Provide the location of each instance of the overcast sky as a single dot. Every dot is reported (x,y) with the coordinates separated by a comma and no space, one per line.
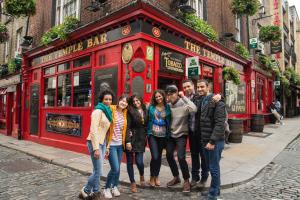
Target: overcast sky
(296,3)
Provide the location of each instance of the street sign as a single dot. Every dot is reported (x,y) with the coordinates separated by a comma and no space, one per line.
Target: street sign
(277,83)
(192,66)
(253,43)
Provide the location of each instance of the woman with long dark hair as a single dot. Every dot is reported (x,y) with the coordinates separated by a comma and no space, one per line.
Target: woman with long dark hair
(101,119)
(115,146)
(136,138)
(158,129)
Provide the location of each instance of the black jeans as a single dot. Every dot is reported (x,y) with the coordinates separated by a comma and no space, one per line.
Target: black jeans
(180,145)
(139,161)
(156,144)
(196,148)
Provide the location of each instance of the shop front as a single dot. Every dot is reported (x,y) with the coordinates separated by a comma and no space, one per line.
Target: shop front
(145,50)
(10,105)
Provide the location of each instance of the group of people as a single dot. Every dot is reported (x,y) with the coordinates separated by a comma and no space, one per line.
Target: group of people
(171,118)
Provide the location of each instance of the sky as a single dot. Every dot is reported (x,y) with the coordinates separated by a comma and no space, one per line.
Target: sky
(296,3)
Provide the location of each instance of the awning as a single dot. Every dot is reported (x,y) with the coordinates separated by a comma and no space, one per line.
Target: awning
(3,91)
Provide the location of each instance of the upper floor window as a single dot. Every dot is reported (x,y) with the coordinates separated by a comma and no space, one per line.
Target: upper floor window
(66,8)
(238,28)
(6,51)
(19,39)
(198,6)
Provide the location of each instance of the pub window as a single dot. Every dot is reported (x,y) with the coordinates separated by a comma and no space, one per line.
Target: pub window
(49,70)
(63,67)
(64,90)
(84,61)
(50,89)
(82,88)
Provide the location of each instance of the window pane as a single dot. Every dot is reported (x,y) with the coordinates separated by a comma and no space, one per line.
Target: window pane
(63,67)
(50,70)
(64,89)
(82,88)
(84,61)
(49,96)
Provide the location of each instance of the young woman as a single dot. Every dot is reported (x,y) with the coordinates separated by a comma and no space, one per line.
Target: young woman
(100,122)
(136,138)
(158,130)
(115,146)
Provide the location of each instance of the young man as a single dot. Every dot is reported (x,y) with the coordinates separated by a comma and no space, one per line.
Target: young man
(180,107)
(196,147)
(212,128)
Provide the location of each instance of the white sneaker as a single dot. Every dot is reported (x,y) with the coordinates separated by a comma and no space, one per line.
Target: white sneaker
(83,194)
(107,194)
(115,191)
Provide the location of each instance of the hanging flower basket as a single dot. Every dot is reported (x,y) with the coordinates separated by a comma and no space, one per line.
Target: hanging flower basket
(230,73)
(3,33)
(265,61)
(269,33)
(242,51)
(200,26)
(245,7)
(60,31)
(20,8)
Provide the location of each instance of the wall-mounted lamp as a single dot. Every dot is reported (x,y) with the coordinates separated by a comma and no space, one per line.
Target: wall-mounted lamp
(95,5)
(183,7)
(27,41)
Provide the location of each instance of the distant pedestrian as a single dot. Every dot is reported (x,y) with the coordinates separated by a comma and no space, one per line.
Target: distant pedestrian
(212,128)
(181,107)
(158,128)
(115,146)
(101,119)
(137,119)
(275,109)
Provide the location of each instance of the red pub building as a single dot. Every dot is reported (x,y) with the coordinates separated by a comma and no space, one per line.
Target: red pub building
(136,50)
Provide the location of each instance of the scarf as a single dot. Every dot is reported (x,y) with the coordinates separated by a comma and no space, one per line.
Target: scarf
(106,110)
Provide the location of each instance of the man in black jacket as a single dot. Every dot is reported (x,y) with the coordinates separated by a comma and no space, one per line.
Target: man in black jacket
(211,127)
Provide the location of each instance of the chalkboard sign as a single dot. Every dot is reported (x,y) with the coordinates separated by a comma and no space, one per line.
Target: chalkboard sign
(106,79)
(34,109)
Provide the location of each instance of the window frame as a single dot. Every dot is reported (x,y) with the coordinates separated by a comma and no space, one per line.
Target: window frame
(59,19)
(198,5)
(72,70)
(238,27)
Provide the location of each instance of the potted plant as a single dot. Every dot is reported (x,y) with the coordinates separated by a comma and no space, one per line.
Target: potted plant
(245,7)
(265,61)
(60,31)
(20,8)
(269,33)
(3,33)
(242,50)
(200,26)
(230,73)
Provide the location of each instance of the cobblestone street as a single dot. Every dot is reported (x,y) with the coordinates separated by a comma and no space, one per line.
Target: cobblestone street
(25,177)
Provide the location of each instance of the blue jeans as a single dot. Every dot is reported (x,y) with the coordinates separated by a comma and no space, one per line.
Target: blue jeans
(94,178)
(139,161)
(212,158)
(115,157)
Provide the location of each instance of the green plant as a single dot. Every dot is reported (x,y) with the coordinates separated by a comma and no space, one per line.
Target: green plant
(200,26)
(230,73)
(3,33)
(60,31)
(245,7)
(242,50)
(269,33)
(286,85)
(13,66)
(266,61)
(20,8)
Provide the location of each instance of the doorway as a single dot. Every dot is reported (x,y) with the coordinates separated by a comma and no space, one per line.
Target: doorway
(163,82)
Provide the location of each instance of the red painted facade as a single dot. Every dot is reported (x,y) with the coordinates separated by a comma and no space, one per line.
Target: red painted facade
(103,42)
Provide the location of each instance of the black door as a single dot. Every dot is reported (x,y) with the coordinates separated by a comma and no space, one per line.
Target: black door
(34,109)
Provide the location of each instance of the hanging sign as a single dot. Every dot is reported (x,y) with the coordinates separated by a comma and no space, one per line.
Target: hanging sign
(192,67)
(171,61)
(253,43)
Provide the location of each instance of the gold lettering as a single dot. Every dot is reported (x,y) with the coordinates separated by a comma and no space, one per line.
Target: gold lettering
(197,49)
(80,46)
(96,41)
(187,44)
(90,42)
(193,47)
(103,38)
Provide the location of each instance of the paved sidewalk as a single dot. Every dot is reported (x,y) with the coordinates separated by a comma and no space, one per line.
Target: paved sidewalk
(240,162)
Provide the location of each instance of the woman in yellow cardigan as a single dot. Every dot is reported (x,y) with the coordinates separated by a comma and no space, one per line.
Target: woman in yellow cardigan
(115,146)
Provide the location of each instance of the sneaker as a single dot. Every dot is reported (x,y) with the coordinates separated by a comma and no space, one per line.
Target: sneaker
(107,193)
(115,191)
(186,186)
(174,181)
(95,196)
(83,194)
(194,183)
(281,117)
